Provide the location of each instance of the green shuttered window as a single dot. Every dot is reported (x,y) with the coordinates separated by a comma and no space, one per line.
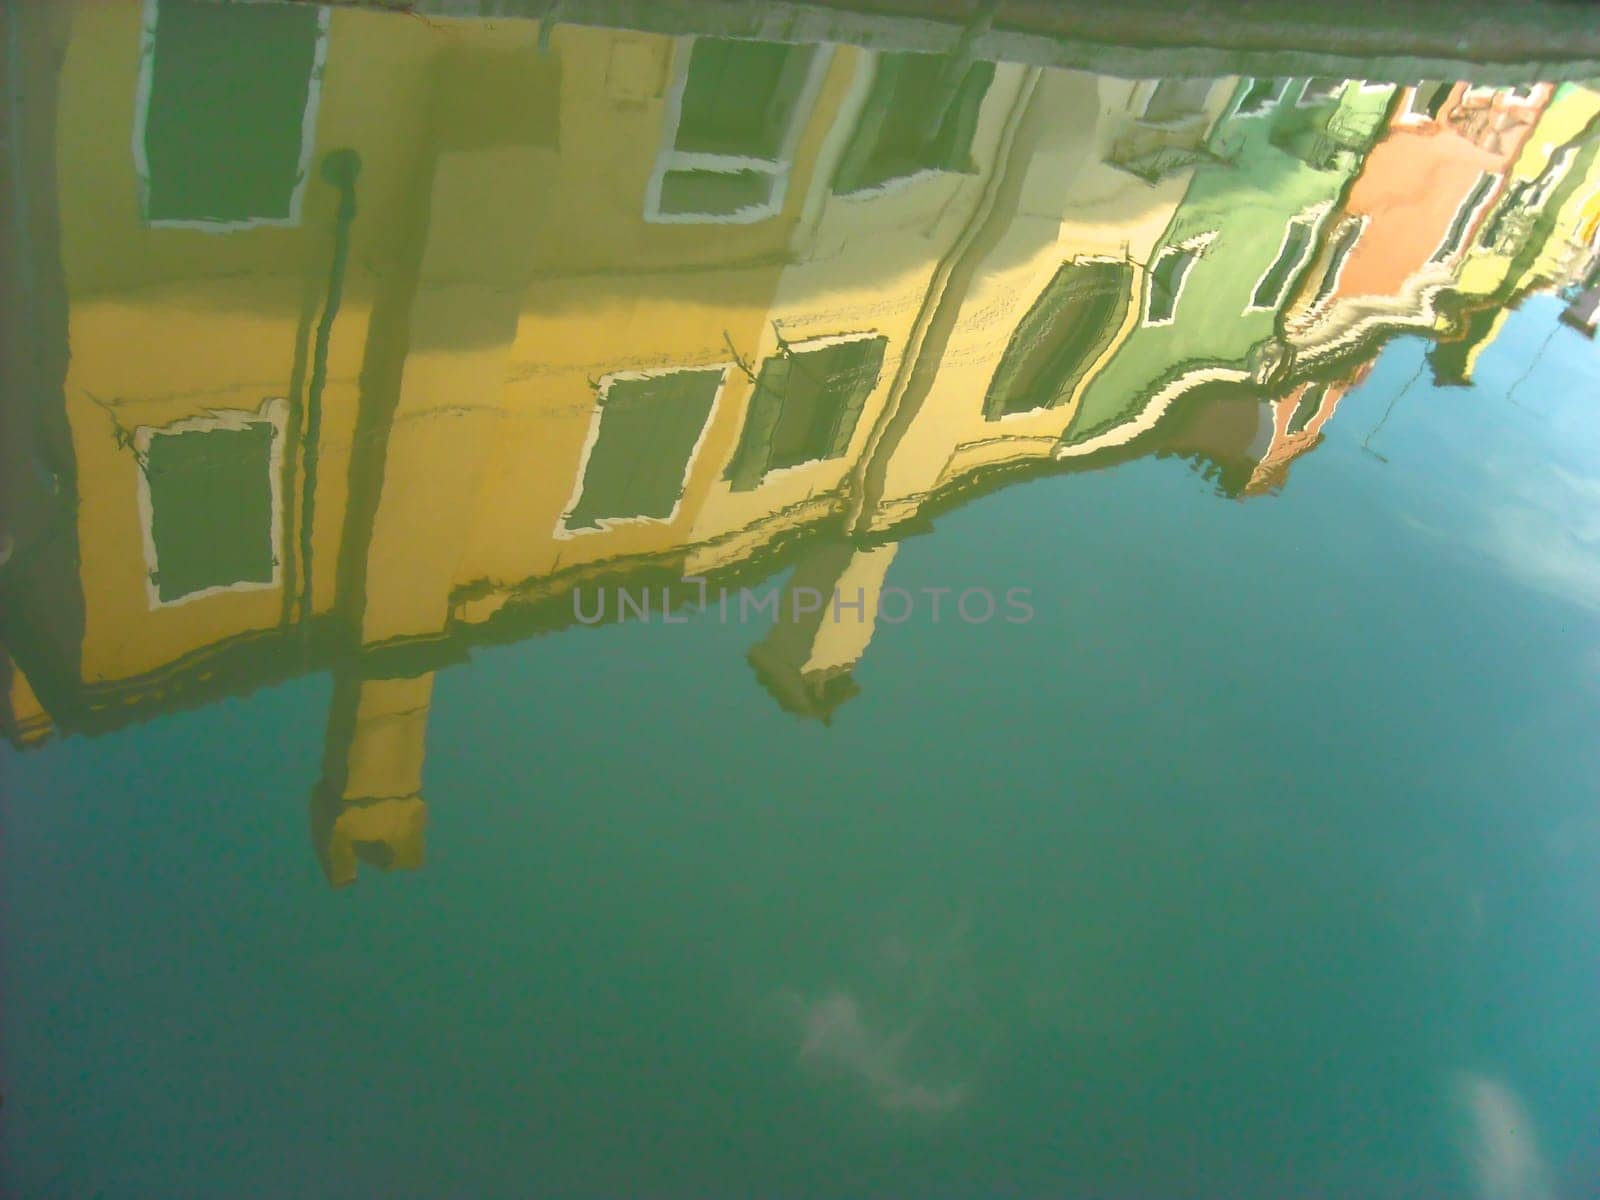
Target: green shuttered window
(647,433)
(1457,233)
(739,97)
(1275,283)
(921,115)
(1344,242)
(805,407)
(1167,276)
(211,508)
(1065,331)
(229,87)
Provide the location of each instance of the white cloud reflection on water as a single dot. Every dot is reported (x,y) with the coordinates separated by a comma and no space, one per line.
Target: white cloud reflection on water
(1499,1141)
(837,1038)
(1511,480)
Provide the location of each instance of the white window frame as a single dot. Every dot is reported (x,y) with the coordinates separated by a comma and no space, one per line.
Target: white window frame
(1145,94)
(141,118)
(1490,195)
(1301,101)
(1195,247)
(1271,102)
(670,159)
(1554,173)
(1331,283)
(272,412)
(593,436)
(1311,216)
(1409,115)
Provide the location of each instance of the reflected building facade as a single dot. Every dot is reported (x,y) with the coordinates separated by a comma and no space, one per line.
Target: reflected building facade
(460,319)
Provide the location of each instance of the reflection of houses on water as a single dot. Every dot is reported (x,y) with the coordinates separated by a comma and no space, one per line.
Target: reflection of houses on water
(1229,262)
(1400,236)
(1532,239)
(1047,292)
(492,314)
(1245,444)
(1394,249)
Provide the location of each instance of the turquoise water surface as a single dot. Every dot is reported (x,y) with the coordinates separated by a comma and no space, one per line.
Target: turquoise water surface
(1249,851)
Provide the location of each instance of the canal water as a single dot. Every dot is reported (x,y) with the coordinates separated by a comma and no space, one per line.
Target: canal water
(620,613)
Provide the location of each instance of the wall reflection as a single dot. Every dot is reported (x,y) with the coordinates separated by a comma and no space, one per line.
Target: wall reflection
(356,340)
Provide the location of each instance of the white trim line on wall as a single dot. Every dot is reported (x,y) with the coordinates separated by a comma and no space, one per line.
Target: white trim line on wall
(1154,409)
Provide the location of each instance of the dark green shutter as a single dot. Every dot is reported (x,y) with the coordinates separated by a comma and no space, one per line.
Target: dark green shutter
(1068,327)
(921,114)
(1166,280)
(1344,242)
(817,395)
(858,365)
(1269,292)
(953,145)
(211,508)
(229,87)
(714,192)
(1457,232)
(648,430)
(855,169)
(766,406)
(1310,402)
(1258,96)
(738,96)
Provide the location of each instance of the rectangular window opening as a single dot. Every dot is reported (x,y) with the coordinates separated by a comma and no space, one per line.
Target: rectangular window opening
(1344,241)
(1259,97)
(805,406)
(212,518)
(1177,99)
(921,115)
(1167,277)
(733,120)
(1320,89)
(228,98)
(1427,99)
(1275,283)
(1457,233)
(647,428)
